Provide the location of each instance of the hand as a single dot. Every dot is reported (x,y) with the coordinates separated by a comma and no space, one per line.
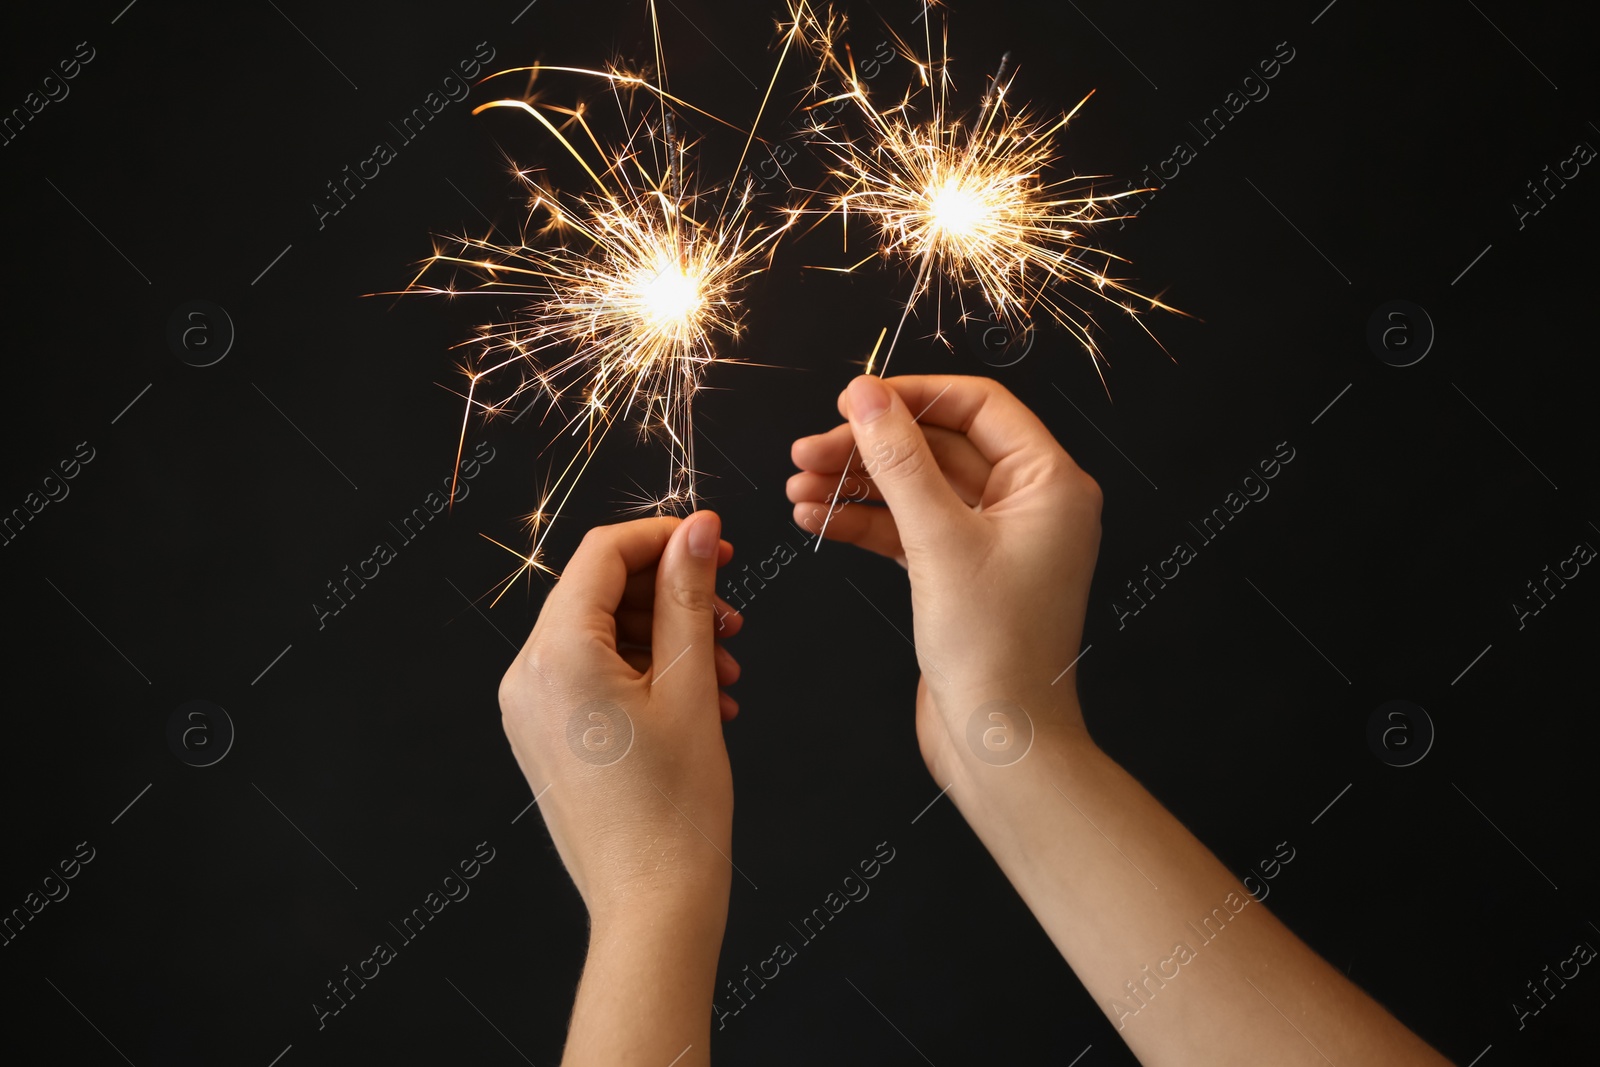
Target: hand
(999,530)
(612,711)
(996,525)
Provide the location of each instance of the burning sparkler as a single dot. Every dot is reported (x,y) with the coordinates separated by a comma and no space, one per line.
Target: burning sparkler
(626,291)
(966,202)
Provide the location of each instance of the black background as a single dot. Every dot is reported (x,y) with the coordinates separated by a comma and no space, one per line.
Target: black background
(189,551)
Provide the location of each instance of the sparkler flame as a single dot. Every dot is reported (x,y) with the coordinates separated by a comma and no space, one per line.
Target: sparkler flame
(967,201)
(626,310)
(625,291)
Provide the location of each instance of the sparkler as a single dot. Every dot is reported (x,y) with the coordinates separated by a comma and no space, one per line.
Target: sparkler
(626,291)
(967,202)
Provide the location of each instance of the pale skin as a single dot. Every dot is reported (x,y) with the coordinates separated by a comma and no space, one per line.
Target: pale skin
(998,530)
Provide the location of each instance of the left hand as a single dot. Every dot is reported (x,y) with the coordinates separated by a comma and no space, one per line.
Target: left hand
(998,529)
(614,712)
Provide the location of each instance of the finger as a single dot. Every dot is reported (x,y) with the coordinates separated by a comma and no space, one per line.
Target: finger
(963,465)
(729,621)
(634,623)
(927,511)
(727,707)
(683,634)
(992,418)
(809,485)
(872,528)
(591,587)
(638,605)
(825,452)
(853,487)
(637,658)
(728,669)
(640,590)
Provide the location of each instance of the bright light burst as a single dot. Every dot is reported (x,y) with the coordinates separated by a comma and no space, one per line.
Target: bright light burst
(967,200)
(624,293)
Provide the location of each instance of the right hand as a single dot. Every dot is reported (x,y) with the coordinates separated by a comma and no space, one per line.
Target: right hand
(612,706)
(998,529)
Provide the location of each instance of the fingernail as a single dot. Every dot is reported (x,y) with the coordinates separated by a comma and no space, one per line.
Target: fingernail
(869,398)
(705,530)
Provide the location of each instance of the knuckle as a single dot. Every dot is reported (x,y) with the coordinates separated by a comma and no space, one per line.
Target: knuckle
(1092,494)
(811,521)
(995,395)
(1058,468)
(695,598)
(512,705)
(994,387)
(1077,486)
(521,682)
(898,459)
(512,689)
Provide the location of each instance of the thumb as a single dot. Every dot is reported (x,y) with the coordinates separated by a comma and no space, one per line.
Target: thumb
(683,630)
(898,460)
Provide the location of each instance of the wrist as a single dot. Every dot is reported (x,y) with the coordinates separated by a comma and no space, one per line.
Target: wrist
(1000,788)
(685,921)
(648,981)
(995,726)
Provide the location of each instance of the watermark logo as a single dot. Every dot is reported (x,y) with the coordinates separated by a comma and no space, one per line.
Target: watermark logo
(1399,733)
(1000,733)
(998,341)
(1400,333)
(599,733)
(200,733)
(200,333)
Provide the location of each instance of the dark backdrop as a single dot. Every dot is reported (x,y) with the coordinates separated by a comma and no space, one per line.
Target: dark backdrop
(182,560)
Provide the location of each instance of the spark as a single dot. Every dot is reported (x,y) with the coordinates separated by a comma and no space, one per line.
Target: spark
(967,200)
(626,292)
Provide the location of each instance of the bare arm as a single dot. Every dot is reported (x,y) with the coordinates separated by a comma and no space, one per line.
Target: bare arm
(647,987)
(632,778)
(998,529)
(1188,966)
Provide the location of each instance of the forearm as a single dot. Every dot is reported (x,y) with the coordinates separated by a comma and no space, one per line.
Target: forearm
(646,993)
(1188,966)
